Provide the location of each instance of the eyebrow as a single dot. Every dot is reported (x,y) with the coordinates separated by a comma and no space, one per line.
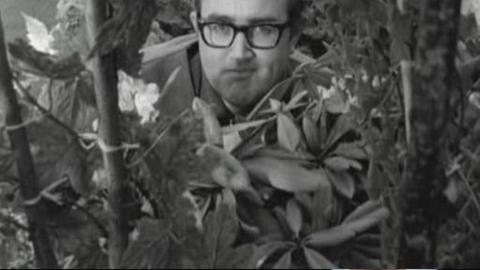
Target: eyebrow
(224,18)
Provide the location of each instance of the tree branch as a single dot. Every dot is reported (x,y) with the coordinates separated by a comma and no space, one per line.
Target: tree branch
(29,186)
(423,204)
(104,71)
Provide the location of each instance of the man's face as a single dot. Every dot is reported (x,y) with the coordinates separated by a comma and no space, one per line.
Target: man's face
(240,73)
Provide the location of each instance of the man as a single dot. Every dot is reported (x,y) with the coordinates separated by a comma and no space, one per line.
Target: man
(242,51)
(239,51)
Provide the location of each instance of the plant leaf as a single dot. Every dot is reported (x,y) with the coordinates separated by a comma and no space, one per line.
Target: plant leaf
(296,99)
(288,133)
(284,262)
(220,231)
(264,251)
(297,157)
(150,250)
(294,217)
(277,91)
(343,183)
(144,101)
(285,175)
(351,150)
(330,237)
(211,126)
(344,123)
(362,218)
(312,135)
(243,126)
(227,171)
(355,258)
(38,35)
(237,258)
(336,102)
(316,260)
(341,164)
(26,58)
(322,201)
(363,210)
(135,94)
(231,140)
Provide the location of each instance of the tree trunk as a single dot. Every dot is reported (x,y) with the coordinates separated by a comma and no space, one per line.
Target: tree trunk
(104,71)
(29,187)
(421,197)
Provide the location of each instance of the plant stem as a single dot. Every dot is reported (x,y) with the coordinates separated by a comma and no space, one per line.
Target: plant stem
(103,68)
(29,186)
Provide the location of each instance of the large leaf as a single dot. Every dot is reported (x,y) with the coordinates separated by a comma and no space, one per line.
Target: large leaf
(330,237)
(322,203)
(341,164)
(73,164)
(236,258)
(226,170)
(38,35)
(221,228)
(336,101)
(367,209)
(366,215)
(266,250)
(284,262)
(345,123)
(312,135)
(211,125)
(28,59)
(151,248)
(296,157)
(343,183)
(285,175)
(316,260)
(352,150)
(358,258)
(65,99)
(288,133)
(361,219)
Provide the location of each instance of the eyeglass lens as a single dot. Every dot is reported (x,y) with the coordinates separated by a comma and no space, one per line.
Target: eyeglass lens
(222,35)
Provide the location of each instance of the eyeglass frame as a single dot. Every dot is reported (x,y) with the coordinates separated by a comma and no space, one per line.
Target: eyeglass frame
(243,29)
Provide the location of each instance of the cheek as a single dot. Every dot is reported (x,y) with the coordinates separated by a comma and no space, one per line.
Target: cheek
(210,58)
(273,63)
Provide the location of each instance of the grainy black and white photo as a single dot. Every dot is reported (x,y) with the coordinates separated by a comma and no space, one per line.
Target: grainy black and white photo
(239,134)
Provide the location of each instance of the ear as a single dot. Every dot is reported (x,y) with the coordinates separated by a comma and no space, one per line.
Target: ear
(193,20)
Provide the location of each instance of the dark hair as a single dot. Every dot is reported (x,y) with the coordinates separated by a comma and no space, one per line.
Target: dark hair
(295,8)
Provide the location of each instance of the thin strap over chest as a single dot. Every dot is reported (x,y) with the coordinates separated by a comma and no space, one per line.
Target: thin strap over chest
(195,69)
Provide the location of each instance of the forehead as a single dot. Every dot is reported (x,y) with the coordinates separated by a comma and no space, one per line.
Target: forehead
(241,11)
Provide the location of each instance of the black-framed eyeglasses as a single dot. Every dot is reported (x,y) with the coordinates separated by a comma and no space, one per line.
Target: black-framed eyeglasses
(259,36)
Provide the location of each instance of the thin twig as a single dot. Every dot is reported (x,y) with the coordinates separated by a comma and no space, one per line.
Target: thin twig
(470,189)
(90,216)
(30,99)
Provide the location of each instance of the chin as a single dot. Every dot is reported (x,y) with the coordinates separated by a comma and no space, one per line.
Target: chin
(237,96)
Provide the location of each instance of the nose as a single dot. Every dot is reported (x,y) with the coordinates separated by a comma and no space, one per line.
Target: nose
(240,49)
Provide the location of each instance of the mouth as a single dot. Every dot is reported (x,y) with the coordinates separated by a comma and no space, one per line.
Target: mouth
(240,72)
